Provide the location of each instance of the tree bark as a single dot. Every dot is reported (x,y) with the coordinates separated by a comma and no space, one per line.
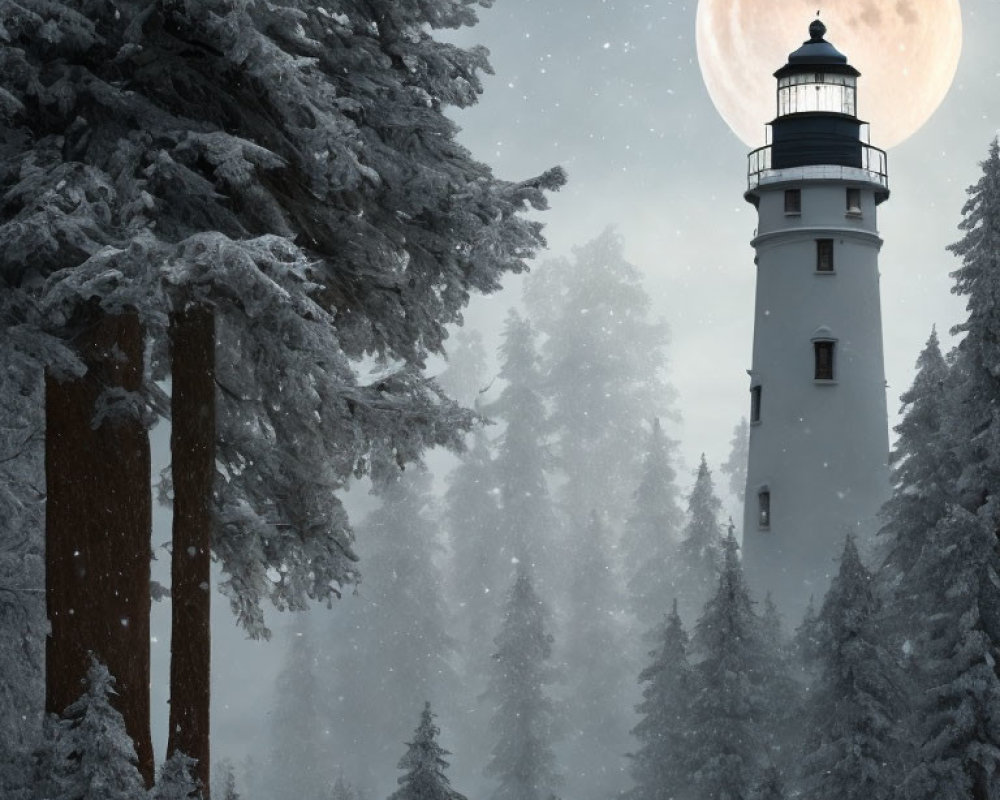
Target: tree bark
(192,445)
(97,529)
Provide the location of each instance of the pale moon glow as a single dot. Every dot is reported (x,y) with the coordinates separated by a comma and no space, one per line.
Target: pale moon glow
(906,50)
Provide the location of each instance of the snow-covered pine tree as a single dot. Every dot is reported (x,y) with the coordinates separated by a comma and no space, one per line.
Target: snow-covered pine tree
(225,777)
(729,742)
(924,470)
(424,764)
(593,647)
(87,754)
(954,711)
(176,779)
(527,518)
(524,721)
(851,743)
(302,168)
(699,554)
(735,466)
(463,379)
(651,533)
(604,365)
(661,765)
(393,639)
(782,692)
(299,764)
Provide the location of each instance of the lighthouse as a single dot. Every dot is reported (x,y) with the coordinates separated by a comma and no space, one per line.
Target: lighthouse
(818,455)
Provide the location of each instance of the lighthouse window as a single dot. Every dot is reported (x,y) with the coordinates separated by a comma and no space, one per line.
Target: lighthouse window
(793,201)
(824,255)
(755,404)
(764,509)
(854,202)
(824,360)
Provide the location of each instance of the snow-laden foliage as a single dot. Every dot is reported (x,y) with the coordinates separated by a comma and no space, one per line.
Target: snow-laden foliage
(957,709)
(393,638)
(652,531)
(729,743)
(661,766)
(604,359)
(852,749)
(593,647)
(424,765)
(86,753)
(176,779)
(292,168)
(527,517)
(524,721)
(699,554)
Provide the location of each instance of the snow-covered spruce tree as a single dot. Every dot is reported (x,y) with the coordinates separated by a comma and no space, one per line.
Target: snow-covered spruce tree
(661,765)
(524,721)
(735,466)
(87,753)
(424,764)
(729,742)
(393,643)
(176,779)
(699,554)
(301,167)
(527,519)
(604,365)
(851,743)
(299,762)
(954,712)
(782,692)
(924,470)
(651,533)
(593,649)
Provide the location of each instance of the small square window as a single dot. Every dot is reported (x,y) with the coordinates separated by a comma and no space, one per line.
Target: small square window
(823,352)
(793,201)
(755,404)
(764,509)
(854,202)
(824,255)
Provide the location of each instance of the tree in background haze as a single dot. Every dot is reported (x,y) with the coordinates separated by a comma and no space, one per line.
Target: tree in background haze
(699,554)
(652,532)
(735,466)
(524,720)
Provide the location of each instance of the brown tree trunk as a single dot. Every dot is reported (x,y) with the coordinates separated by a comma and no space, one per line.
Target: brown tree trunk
(97,529)
(192,446)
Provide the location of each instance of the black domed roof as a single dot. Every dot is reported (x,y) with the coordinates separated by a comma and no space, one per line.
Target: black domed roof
(816,52)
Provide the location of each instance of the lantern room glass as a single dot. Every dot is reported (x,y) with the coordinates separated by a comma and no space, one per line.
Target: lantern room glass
(817,91)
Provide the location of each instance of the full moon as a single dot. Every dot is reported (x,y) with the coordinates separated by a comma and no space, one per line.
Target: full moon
(906,50)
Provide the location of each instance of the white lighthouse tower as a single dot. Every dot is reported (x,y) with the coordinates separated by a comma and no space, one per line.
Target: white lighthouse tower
(819,433)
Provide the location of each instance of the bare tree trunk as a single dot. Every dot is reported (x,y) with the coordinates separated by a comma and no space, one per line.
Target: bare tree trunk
(97,529)
(192,445)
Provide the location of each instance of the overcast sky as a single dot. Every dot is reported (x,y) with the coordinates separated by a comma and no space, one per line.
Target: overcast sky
(612,91)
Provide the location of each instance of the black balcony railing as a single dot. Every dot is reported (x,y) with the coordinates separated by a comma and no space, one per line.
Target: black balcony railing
(873,161)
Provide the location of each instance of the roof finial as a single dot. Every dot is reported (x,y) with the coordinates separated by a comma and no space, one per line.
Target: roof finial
(817,29)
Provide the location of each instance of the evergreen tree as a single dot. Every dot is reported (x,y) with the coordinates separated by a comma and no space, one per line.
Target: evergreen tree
(226,786)
(782,692)
(527,518)
(88,755)
(176,779)
(395,644)
(924,470)
(699,555)
(955,710)
(342,790)
(463,378)
(299,760)
(736,465)
(652,532)
(604,366)
(729,743)
(524,720)
(594,647)
(425,766)
(851,752)
(661,766)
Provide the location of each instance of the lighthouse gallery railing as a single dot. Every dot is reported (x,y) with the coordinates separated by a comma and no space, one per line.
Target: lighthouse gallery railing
(873,161)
